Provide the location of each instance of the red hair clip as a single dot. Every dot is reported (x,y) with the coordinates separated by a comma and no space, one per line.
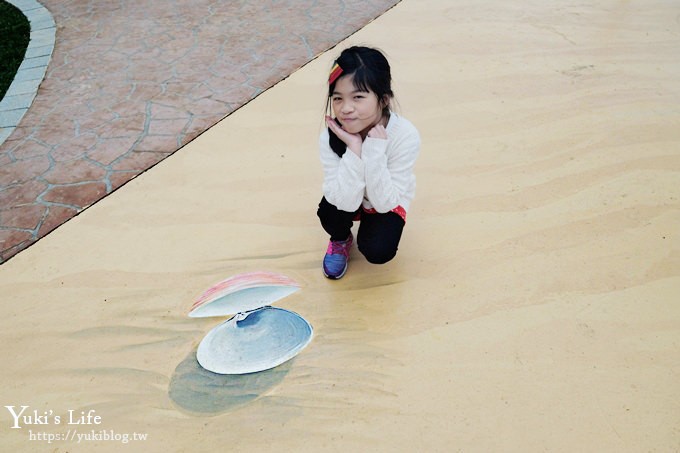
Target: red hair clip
(335,73)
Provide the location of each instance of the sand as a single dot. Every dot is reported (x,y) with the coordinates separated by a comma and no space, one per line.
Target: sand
(533,305)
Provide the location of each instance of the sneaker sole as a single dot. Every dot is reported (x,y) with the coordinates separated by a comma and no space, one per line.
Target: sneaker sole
(334,277)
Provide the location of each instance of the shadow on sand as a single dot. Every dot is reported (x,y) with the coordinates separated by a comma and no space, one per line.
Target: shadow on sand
(200,391)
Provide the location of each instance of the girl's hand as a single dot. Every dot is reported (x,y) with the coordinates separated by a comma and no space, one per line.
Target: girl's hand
(378,131)
(353,141)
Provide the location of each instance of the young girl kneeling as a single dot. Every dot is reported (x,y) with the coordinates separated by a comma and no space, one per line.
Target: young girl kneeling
(368,153)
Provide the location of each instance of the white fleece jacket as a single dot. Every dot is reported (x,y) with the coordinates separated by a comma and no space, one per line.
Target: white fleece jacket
(382,178)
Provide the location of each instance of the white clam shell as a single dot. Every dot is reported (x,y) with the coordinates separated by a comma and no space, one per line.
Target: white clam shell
(265,338)
(258,337)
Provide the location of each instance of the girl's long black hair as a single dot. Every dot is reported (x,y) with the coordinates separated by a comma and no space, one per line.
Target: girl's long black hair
(371,71)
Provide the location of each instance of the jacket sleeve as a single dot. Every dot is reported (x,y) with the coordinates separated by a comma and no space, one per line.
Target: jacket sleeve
(344,181)
(389,168)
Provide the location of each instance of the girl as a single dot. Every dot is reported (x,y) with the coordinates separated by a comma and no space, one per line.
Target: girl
(367,153)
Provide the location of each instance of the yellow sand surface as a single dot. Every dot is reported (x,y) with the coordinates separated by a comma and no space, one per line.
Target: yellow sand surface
(534,304)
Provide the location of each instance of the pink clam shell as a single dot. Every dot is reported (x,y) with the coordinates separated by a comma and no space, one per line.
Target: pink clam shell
(243,292)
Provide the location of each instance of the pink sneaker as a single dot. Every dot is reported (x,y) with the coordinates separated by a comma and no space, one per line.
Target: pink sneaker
(337,256)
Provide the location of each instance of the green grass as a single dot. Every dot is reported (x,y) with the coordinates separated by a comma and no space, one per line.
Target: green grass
(15,32)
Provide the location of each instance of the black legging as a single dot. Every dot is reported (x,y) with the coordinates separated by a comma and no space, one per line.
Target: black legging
(378,236)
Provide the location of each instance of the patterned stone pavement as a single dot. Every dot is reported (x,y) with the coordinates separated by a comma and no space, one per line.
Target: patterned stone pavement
(130,83)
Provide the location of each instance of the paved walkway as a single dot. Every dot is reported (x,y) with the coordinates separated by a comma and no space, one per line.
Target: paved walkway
(129,84)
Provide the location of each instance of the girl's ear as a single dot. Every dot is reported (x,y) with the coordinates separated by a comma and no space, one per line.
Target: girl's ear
(385,102)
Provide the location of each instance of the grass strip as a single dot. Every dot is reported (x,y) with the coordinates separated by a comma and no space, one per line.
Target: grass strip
(15,33)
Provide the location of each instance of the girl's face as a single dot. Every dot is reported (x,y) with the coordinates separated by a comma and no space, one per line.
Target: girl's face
(357,111)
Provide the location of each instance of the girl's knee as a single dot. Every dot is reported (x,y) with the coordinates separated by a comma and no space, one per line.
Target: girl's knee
(377,254)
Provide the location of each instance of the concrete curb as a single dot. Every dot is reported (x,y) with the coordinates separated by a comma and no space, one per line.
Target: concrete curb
(31,73)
